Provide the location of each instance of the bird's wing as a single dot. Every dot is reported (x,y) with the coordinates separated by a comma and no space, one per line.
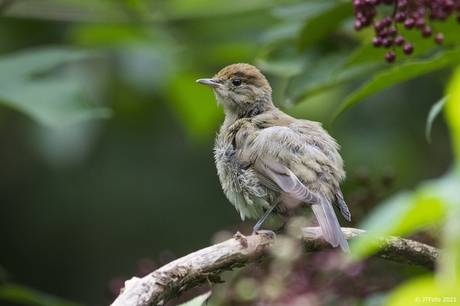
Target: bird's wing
(277,150)
(285,151)
(278,177)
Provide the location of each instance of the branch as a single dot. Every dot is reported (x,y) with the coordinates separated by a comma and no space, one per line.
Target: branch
(204,266)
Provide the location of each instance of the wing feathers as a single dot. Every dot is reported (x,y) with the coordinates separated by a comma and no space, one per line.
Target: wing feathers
(288,182)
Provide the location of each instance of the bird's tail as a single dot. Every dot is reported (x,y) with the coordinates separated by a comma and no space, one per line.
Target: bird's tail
(329,224)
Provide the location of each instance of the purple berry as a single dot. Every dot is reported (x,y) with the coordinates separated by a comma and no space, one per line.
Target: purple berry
(383,33)
(358,4)
(391,31)
(411,13)
(376,41)
(387,21)
(420,23)
(400,16)
(419,12)
(378,26)
(365,21)
(448,4)
(409,23)
(387,42)
(390,56)
(399,40)
(427,31)
(402,4)
(439,38)
(408,48)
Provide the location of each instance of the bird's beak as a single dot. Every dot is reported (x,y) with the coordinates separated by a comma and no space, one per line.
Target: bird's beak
(209,82)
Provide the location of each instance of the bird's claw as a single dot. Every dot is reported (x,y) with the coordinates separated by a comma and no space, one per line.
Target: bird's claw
(269,233)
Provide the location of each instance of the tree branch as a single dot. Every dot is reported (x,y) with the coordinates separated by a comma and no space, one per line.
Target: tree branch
(205,265)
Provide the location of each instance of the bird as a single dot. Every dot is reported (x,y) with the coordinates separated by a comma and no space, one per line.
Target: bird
(271,163)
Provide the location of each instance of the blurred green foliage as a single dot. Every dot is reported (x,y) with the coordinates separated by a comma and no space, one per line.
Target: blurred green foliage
(106,153)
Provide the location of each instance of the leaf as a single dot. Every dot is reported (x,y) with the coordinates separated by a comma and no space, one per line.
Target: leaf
(304,11)
(399,74)
(423,290)
(199,9)
(30,62)
(452,112)
(318,27)
(434,112)
(408,211)
(27,296)
(195,105)
(53,103)
(382,221)
(108,34)
(323,73)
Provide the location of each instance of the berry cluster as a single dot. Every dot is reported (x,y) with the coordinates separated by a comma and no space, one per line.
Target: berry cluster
(408,13)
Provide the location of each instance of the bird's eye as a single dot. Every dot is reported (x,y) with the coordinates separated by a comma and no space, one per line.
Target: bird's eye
(236,82)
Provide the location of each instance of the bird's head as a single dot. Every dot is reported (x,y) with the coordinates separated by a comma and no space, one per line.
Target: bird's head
(241,89)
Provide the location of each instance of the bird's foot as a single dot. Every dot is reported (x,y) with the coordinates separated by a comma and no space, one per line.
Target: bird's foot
(264,232)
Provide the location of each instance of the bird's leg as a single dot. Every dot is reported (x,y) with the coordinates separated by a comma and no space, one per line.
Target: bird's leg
(261,220)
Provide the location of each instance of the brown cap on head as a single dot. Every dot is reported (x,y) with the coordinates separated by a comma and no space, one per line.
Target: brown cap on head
(246,72)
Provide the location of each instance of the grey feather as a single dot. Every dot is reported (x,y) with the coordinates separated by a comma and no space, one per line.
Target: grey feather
(288,182)
(329,224)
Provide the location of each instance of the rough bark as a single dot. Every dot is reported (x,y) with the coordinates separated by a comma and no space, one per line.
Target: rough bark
(204,266)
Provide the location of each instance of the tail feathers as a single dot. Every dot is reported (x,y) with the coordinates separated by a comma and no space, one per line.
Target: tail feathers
(329,224)
(342,205)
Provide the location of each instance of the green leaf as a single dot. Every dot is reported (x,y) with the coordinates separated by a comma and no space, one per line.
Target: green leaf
(27,296)
(423,290)
(201,8)
(399,74)
(382,221)
(452,112)
(31,62)
(304,10)
(109,34)
(53,103)
(407,211)
(434,112)
(195,105)
(323,73)
(318,27)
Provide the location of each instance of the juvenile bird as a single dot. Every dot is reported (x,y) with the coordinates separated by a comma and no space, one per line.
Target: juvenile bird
(268,161)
